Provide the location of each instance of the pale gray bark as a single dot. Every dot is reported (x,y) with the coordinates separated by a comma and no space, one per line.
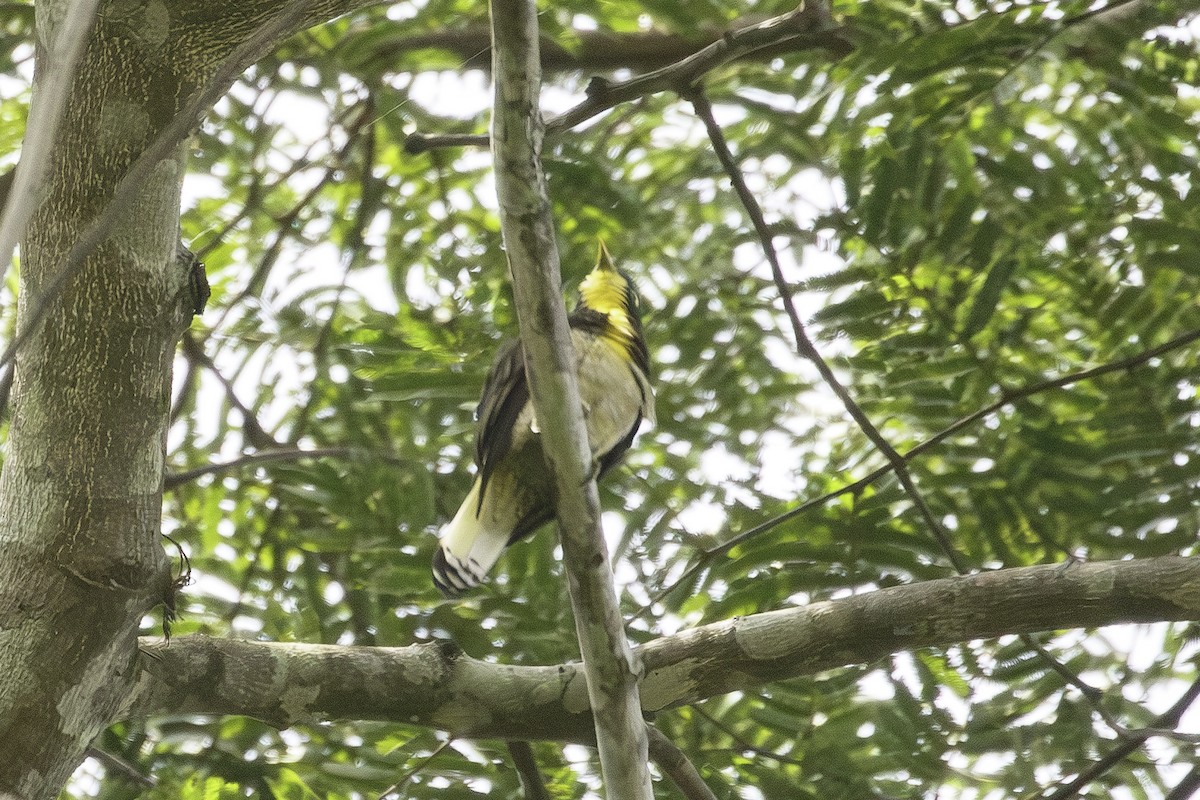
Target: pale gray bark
(612,671)
(436,685)
(80,495)
(44,118)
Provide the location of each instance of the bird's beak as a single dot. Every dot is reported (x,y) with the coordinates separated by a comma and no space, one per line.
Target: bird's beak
(603,259)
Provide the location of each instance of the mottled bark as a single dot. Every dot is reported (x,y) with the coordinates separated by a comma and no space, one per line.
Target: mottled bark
(80,495)
(437,686)
(612,671)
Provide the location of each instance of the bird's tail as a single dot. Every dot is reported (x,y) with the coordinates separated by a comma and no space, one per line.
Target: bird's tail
(469,548)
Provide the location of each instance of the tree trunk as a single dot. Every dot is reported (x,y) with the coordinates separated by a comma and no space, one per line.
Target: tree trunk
(80,495)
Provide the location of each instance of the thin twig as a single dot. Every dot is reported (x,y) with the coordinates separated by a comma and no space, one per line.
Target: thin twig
(809,26)
(804,344)
(672,761)
(532,782)
(120,766)
(1090,693)
(1167,720)
(1007,397)
(741,741)
(286,224)
(1089,19)
(417,143)
(175,479)
(253,430)
(411,773)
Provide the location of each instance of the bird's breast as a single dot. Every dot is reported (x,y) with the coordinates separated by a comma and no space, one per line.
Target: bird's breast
(611,393)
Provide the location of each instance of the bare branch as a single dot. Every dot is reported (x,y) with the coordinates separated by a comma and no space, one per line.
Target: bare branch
(742,744)
(176,479)
(672,761)
(612,671)
(253,430)
(1168,719)
(531,777)
(394,789)
(804,344)
(808,27)
(121,767)
(435,685)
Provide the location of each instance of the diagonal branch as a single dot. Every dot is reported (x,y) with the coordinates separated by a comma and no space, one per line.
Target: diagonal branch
(612,671)
(743,745)
(412,772)
(532,782)
(804,344)
(672,761)
(809,26)
(805,347)
(253,430)
(1168,719)
(129,189)
(1187,787)
(897,463)
(1007,398)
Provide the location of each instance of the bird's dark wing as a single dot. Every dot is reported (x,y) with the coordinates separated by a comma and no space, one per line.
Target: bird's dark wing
(613,457)
(505,393)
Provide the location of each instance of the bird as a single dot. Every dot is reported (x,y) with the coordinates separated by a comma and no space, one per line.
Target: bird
(513,492)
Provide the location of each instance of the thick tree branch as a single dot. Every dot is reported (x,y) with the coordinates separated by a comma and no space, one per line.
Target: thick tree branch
(437,686)
(528,230)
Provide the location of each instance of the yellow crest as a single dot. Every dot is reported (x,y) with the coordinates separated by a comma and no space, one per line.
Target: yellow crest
(605,289)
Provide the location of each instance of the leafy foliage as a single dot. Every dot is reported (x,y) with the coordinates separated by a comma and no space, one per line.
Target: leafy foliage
(974,198)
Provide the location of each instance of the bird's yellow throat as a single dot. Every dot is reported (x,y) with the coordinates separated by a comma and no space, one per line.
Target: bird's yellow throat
(607,291)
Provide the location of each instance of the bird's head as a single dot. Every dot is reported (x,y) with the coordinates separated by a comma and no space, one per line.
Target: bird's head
(609,290)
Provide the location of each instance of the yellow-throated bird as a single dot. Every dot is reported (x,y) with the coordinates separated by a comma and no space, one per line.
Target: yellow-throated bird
(513,494)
